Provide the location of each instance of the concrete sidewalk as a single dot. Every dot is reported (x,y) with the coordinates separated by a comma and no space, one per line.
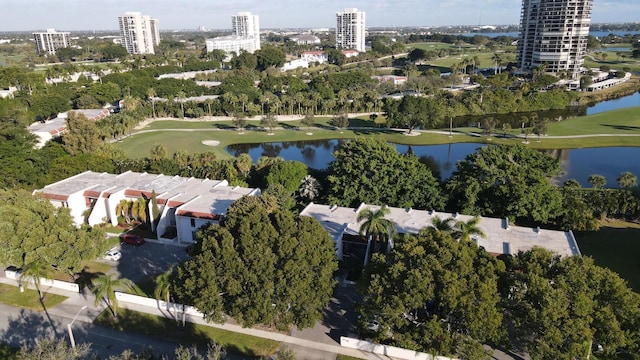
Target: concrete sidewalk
(305,349)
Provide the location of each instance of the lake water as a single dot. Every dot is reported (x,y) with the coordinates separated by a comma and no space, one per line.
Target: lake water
(628,101)
(597,34)
(577,163)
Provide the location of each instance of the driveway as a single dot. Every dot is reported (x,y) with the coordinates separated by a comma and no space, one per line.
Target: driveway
(139,262)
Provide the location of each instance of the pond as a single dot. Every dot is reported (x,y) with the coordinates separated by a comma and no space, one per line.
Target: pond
(576,163)
(621,103)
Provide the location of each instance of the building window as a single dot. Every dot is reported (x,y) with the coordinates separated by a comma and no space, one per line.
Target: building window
(193,222)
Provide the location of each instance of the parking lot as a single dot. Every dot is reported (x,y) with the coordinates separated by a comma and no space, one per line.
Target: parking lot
(139,262)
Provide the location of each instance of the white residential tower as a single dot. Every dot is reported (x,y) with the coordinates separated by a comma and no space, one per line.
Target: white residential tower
(350,29)
(140,33)
(554,33)
(48,41)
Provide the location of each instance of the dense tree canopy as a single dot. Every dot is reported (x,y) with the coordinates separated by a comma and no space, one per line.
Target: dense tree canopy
(372,171)
(506,181)
(33,230)
(435,294)
(564,307)
(259,266)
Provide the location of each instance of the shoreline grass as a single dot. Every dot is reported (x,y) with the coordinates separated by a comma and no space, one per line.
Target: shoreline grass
(199,335)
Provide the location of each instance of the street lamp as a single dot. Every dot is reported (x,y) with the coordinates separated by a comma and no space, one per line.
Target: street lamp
(71,339)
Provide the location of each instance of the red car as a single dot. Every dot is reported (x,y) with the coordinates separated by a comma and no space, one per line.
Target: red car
(131,239)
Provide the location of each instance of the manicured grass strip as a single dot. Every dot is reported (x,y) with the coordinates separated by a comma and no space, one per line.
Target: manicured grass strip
(616,247)
(29,299)
(196,334)
(346,357)
(96,267)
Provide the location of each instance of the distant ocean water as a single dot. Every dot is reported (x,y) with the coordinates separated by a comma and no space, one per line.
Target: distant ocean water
(515,34)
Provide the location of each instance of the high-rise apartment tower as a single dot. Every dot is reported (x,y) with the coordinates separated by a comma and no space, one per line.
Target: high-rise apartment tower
(140,33)
(48,41)
(246,25)
(350,29)
(554,33)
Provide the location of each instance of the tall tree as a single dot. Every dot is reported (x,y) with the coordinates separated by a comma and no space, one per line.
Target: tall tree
(372,171)
(32,229)
(82,136)
(561,306)
(506,181)
(376,227)
(104,288)
(258,267)
(466,229)
(435,294)
(32,272)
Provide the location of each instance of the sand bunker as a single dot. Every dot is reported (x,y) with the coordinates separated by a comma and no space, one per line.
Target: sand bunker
(211,142)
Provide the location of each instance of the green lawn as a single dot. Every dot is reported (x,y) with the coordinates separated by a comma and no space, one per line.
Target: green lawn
(29,299)
(623,121)
(200,335)
(346,357)
(615,246)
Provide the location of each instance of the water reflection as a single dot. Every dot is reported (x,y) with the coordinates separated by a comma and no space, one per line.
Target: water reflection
(577,164)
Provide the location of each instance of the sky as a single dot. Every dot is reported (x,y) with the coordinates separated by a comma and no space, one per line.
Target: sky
(70,15)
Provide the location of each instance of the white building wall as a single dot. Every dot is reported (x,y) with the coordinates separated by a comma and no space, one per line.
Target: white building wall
(188,226)
(77,205)
(111,203)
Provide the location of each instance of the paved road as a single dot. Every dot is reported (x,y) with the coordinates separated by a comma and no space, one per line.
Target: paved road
(20,326)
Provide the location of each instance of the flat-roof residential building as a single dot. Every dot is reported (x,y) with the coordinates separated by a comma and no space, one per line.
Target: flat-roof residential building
(246,36)
(231,44)
(47,42)
(554,33)
(501,237)
(314,56)
(139,33)
(185,203)
(50,129)
(350,29)
(305,39)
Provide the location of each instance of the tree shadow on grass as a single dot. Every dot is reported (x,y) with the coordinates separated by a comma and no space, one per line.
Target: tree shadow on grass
(622,127)
(28,328)
(167,329)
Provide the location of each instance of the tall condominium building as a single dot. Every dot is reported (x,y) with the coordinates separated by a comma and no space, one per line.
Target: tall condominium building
(48,41)
(246,36)
(350,29)
(554,33)
(247,26)
(140,33)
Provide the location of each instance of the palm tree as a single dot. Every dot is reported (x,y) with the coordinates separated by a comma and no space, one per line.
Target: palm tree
(163,287)
(33,272)
(376,226)
(627,180)
(464,230)
(597,181)
(310,188)
(123,209)
(103,288)
(139,209)
(151,93)
(442,225)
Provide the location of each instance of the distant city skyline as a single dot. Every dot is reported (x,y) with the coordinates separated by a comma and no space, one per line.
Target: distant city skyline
(73,15)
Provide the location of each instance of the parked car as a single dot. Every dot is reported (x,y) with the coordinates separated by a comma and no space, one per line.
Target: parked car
(113,255)
(131,239)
